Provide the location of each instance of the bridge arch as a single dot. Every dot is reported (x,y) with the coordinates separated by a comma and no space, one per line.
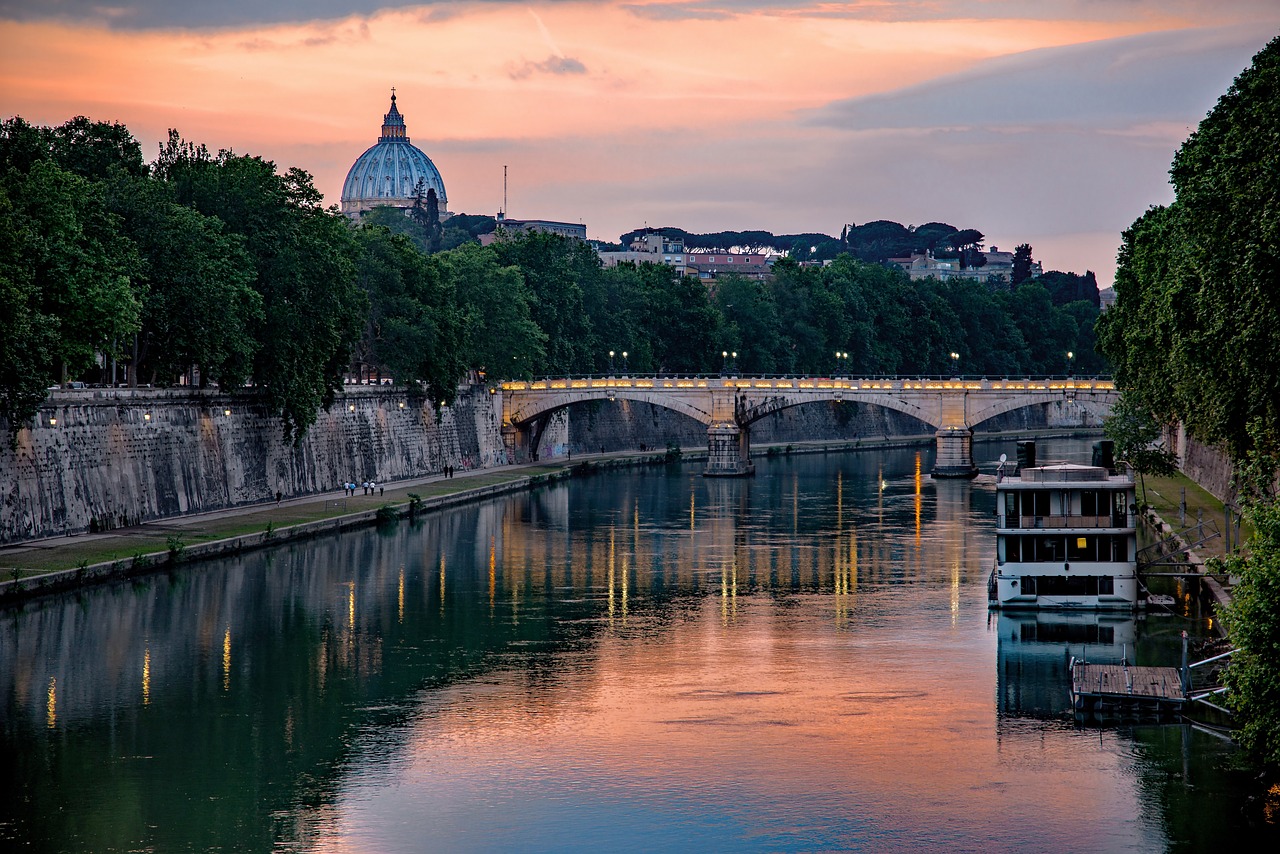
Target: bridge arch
(761,408)
(1097,404)
(542,406)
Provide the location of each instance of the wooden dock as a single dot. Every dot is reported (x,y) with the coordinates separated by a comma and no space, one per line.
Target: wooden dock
(1125,689)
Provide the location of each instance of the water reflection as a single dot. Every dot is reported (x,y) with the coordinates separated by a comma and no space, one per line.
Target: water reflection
(802,660)
(1033,652)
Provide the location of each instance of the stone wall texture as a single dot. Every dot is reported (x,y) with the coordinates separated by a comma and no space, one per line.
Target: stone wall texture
(1207,465)
(101,458)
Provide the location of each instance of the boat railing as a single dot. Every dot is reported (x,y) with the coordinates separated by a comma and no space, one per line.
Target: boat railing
(1032,522)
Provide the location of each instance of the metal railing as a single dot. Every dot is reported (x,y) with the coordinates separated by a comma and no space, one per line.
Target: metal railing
(1034,522)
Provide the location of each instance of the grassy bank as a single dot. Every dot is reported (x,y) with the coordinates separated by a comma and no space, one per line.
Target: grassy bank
(1164,495)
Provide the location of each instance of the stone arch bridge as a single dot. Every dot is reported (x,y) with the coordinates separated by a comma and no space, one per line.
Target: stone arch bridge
(730,405)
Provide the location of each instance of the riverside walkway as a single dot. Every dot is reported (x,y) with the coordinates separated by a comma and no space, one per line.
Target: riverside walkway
(152,541)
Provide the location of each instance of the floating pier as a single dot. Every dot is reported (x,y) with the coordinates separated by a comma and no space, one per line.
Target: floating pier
(1139,691)
(1125,689)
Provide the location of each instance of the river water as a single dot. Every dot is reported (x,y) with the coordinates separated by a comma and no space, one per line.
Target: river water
(645,660)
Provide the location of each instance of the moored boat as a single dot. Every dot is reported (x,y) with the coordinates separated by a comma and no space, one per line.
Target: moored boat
(1066,538)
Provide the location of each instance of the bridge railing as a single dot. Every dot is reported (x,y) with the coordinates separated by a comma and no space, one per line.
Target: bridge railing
(795,383)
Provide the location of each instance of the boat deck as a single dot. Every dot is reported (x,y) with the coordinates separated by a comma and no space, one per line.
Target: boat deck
(1106,688)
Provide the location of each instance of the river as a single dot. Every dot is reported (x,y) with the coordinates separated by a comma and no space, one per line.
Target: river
(644,660)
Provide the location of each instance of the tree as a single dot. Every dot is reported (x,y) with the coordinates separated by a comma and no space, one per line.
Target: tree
(71,249)
(751,324)
(1252,620)
(304,264)
(394,220)
(498,331)
(558,271)
(414,325)
(1138,439)
(1021,264)
(200,309)
(96,150)
(28,334)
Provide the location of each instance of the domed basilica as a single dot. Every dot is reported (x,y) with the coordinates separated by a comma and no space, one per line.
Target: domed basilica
(389,172)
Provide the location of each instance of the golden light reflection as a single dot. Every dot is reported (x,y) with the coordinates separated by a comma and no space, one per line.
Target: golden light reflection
(351,605)
(51,704)
(611,554)
(955,595)
(146,676)
(493,571)
(515,595)
(919,488)
(400,597)
(442,582)
(624,589)
(839,499)
(693,519)
(226,660)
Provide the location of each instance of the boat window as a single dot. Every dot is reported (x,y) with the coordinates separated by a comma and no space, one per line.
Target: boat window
(1011,507)
(1013,548)
(1089,502)
(1118,509)
(1067,585)
(1028,585)
(1039,503)
(1082,548)
(1106,585)
(1068,632)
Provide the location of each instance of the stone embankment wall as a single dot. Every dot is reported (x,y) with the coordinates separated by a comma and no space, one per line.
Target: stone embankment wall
(1207,465)
(98,459)
(104,458)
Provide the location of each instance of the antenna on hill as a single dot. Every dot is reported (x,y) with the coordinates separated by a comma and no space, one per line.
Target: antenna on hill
(504,191)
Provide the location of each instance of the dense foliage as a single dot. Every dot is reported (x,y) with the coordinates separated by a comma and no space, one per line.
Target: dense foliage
(1195,332)
(1253,622)
(1195,338)
(217,269)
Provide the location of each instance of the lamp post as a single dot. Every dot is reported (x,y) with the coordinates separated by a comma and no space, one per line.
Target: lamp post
(733,363)
(1071,363)
(724,362)
(625,372)
(610,363)
(955,364)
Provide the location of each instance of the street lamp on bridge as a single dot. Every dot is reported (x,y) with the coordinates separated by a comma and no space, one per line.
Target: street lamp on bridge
(624,363)
(1071,363)
(610,363)
(842,362)
(955,364)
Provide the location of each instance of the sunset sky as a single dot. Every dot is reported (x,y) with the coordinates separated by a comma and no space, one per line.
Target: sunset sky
(1051,123)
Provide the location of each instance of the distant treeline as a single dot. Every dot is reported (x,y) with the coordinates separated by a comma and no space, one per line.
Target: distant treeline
(876,241)
(220,269)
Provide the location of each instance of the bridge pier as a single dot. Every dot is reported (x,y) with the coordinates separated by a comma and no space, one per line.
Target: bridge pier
(955,453)
(728,451)
(511,440)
